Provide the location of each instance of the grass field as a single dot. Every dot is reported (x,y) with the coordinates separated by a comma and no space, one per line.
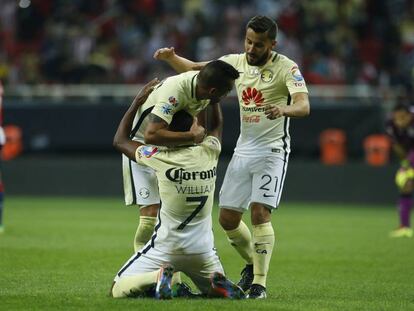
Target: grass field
(62,254)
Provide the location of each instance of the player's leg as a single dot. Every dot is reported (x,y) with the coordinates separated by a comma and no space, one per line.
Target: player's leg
(147,273)
(207,273)
(147,222)
(266,192)
(405,182)
(141,188)
(234,198)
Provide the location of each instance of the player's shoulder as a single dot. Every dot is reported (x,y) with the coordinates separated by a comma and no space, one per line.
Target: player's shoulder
(233,59)
(282,60)
(143,153)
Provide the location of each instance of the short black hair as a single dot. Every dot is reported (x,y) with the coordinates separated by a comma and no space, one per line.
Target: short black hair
(262,24)
(181,121)
(217,74)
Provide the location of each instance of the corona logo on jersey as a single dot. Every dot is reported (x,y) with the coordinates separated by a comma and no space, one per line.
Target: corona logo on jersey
(252,96)
(176,174)
(148,151)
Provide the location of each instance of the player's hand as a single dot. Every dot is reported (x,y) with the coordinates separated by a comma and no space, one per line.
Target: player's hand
(273,111)
(198,132)
(164,53)
(145,92)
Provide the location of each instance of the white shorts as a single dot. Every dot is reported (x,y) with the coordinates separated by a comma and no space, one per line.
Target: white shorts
(140,184)
(250,180)
(198,267)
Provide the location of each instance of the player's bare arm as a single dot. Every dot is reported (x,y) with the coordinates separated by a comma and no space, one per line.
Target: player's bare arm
(157,133)
(216,121)
(121,141)
(299,108)
(178,63)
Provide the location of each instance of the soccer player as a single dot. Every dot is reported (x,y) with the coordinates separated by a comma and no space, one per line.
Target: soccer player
(183,237)
(270,91)
(191,91)
(401,130)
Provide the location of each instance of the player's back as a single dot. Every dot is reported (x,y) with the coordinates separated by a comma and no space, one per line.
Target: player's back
(186,178)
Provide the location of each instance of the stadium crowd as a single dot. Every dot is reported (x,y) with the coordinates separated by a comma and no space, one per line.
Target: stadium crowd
(112,41)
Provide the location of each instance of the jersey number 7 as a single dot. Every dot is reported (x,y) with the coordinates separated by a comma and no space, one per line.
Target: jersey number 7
(202,201)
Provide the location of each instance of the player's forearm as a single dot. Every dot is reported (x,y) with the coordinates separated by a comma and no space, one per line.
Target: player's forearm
(216,121)
(164,137)
(298,109)
(181,64)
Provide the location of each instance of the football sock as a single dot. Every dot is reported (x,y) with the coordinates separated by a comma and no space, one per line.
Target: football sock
(144,231)
(130,286)
(263,241)
(241,239)
(404,205)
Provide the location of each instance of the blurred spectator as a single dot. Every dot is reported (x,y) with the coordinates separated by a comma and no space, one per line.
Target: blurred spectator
(112,41)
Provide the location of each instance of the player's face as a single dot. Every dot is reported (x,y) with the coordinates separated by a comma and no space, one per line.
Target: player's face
(217,94)
(402,118)
(257,47)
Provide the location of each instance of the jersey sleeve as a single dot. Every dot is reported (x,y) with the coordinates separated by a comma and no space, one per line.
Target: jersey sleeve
(147,156)
(212,144)
(294,79)
(167,102)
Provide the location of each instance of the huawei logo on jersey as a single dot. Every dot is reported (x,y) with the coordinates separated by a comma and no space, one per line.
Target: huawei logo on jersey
(252,96)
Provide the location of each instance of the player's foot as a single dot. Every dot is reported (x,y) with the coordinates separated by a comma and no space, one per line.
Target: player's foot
(183,290)
(402,232)
(223,287)
(246,278)
(163,288)
(257,292)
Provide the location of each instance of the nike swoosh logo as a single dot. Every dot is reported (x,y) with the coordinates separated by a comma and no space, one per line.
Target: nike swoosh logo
(268,196)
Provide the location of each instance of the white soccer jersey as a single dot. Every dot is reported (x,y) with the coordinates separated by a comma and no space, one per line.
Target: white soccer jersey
(272,83)
(186,179)
(171,95)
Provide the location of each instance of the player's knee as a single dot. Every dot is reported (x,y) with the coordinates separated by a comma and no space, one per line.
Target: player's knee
(260,214)
(149,210)
(229,220)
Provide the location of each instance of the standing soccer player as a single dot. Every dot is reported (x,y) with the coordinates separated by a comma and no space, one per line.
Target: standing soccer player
(183,238)
(2,142)
(401,130)
(270,91)
(192,91)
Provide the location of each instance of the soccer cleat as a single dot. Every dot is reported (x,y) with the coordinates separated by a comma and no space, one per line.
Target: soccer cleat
(163,287)
(402,232)
(183,290)
(257,292)
(246,278)
(223,287)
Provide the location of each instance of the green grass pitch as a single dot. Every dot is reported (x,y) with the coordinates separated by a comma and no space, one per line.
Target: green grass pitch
(62,254)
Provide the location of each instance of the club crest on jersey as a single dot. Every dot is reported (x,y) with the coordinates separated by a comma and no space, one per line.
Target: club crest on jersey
(148,151)
(166,109)
(144,193)
(296,74)
(173,101)
(267,75)
(252,96)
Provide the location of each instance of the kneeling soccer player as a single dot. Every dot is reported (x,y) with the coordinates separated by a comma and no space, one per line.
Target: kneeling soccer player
(183,238)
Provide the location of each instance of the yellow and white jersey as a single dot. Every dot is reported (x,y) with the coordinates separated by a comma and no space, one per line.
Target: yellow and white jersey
(171,95)
(272,83)
(186,180)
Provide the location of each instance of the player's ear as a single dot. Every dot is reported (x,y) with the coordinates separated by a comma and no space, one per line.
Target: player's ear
(274,42)
(213,91)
